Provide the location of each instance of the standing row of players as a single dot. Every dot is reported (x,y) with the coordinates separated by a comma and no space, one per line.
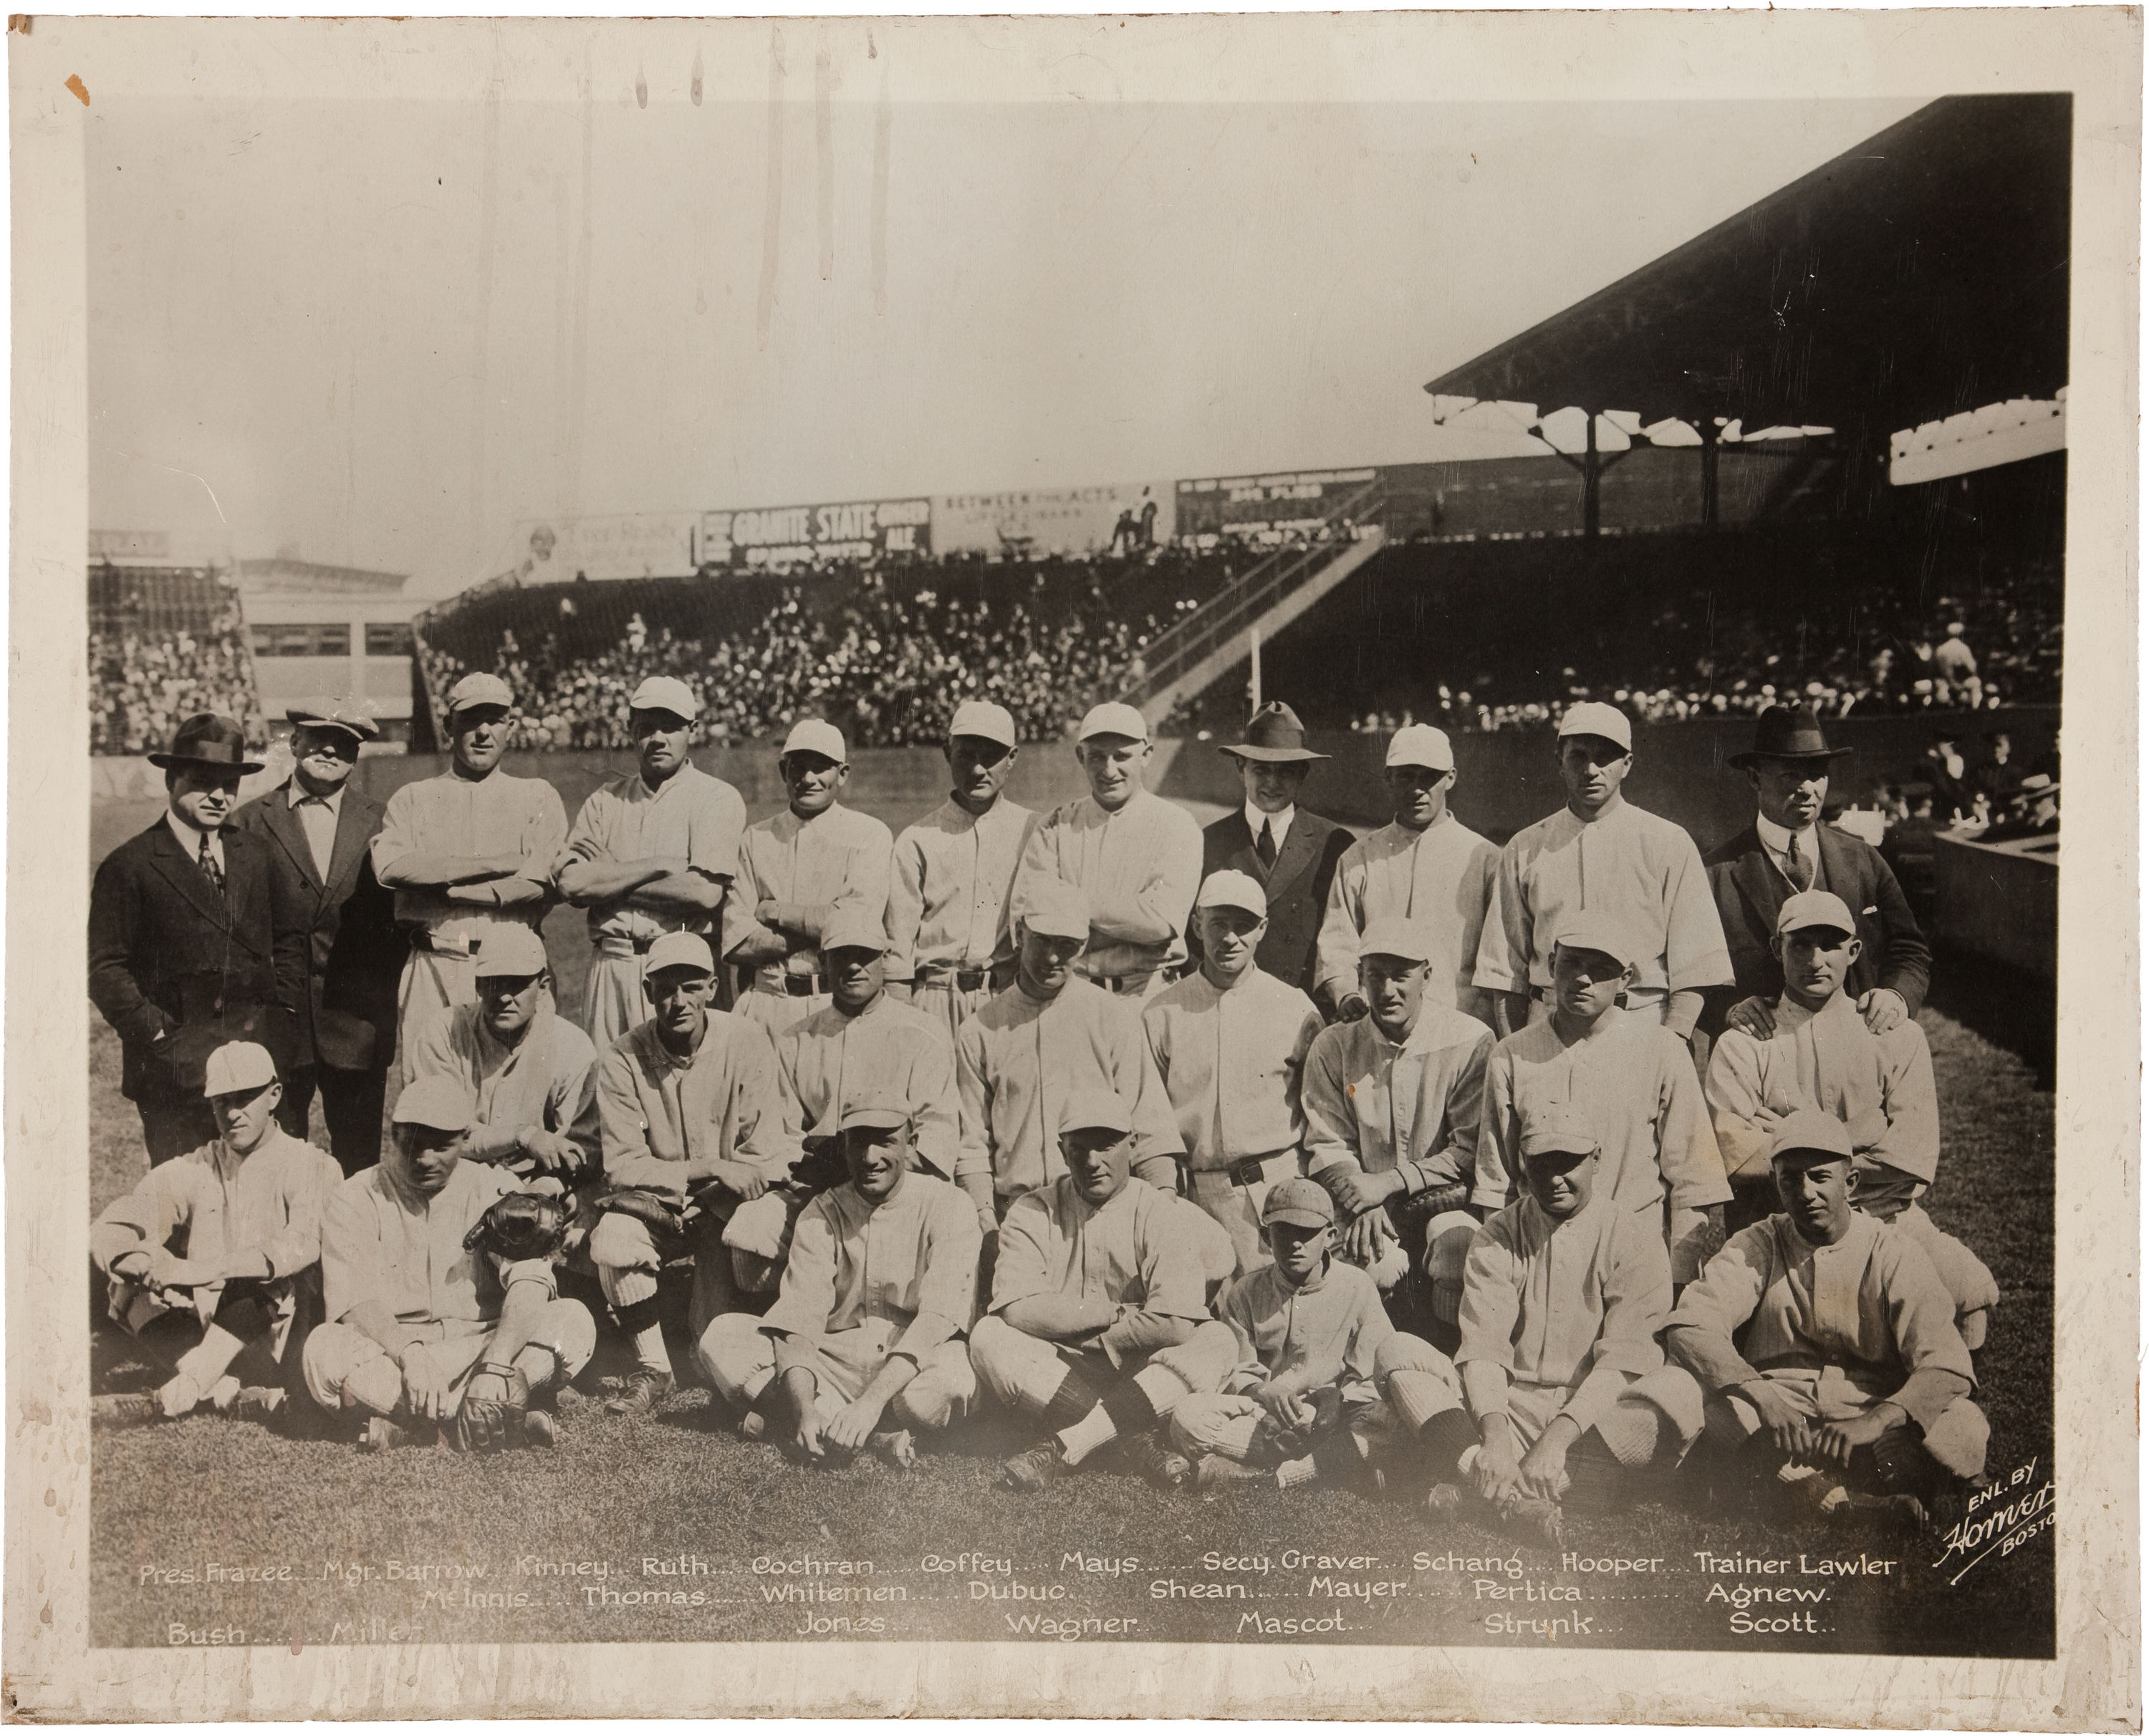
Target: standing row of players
(1053,951)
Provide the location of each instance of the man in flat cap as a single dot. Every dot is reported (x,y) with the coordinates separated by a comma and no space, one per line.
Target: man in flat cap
(651,853)
(1290,853)
(949,925)
(320,827)
(216,1255)
(1826,1345)
(1099,1319)
(1135,856)
(1425,866)
(1600,856)
(796,868)
(867,1330)
(420,1315)
(1229,1042)
(1787,851)
(186,951)
(530,1075)
(466,853)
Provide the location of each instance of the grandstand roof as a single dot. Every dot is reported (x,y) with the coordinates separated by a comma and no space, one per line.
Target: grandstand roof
(1921,274)
(285,574)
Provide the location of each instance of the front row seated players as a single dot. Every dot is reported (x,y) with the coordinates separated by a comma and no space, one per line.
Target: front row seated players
(420,1322)
(865,1341)
(1827,1345)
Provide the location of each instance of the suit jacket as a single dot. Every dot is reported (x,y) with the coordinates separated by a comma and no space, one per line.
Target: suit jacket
(1297,887)
(354,951)
(166,953)
(1750,890)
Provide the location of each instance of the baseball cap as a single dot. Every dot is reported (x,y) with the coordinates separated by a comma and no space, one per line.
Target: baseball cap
(479,689)
(346,715)
(1815,910)
(878,1113)
(1420,744)
(1593,718)
(239,1067)
(1096,1108)
(816,735)
(1556,1126)
(1597,934)
(1299,1199)
(1114,719)
(435,1100)
(665,693)
(1815,1134)
(1227,887)
(1053,906)
(982,718)
(510,951)
(1395,937)
(669,952)
(853,927)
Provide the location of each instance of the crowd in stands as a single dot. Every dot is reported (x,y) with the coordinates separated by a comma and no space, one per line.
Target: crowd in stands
(143,683)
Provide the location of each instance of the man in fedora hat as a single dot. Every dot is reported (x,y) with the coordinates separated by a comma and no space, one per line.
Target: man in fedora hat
(1290,853)
(320,829)
(185,952)
(1787,851)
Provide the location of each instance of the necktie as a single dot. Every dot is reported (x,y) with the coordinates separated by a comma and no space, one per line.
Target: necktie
(1265,845)
(1801,873)
(208,866)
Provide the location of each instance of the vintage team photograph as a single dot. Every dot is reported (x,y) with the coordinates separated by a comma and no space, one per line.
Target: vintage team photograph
(878,869)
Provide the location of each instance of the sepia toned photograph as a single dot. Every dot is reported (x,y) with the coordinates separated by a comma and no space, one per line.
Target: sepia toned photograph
(874,860)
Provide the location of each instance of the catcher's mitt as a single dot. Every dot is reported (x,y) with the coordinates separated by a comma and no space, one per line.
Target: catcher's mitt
(490,1417)
(664,1214)
(821,1168)
(523,1227)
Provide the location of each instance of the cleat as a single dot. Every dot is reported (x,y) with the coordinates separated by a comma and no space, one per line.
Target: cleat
(538,1430)
(1028,1472)
(1906,1512)
(641,1392)
(1216,1471)
(1442,1499)
(123,1410)
(896,1447)
(264,1404)
(1150,1458)
(1541,1520)
(382,1435)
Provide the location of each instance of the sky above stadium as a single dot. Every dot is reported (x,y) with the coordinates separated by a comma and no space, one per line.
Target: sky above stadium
(379,333)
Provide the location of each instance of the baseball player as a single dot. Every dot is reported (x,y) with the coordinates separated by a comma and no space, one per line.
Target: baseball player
(530,1073)
(692,1125)
(1045,1037)
(867,1330)
(650,852)
(1826,1345)
(1099,1319)
(244,1214)
(1136,858)
(1563,1298)
(443,1316)
(948,905)
(1600,857)
(1229,1042)
(1633,1080)
(465,854)
(1425,866)
(795,869)
(1824,1055)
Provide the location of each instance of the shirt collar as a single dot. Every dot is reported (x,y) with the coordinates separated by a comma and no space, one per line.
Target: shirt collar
(1280,819)
(190,837)
(1779,838)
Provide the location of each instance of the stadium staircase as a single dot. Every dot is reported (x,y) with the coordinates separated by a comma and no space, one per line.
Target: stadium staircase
(1184,659)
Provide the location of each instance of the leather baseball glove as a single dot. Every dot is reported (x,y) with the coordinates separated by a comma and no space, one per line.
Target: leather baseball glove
(494,1404)
(523,1227)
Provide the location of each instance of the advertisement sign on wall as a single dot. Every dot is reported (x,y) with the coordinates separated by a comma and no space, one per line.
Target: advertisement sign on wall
(1253,506)
(616,545)
(1111,517)
(790,535)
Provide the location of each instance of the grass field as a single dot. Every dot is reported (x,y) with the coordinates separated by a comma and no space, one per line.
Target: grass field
(670,1527)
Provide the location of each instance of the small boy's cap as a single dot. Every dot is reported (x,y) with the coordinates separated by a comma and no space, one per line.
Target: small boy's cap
(880,1114)
(816,735)
(1096,1108)
(1229,889)
(239,1067)
(669,952)
(510,950)
(1597,934)
(853,928)
(1299,1199)
(982,718)
(1053,906)
(435,1100)
(346,715)
(1420,744)
(1556,1126)
(1112,718)
(1814,1134)
(1593,718)
(1395,937)
(477,688)
(1815,910)
(665,693)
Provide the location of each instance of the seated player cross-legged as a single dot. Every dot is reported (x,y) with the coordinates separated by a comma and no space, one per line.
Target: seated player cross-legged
(1099,1319)
(1562,1297)
(1827,1345)
(443,1318)
(864,1343)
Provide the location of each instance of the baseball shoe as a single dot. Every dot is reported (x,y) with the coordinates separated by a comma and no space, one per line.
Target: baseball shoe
(1905,1511)
(1539,1519)
(1151,1459)
(264,1404)
(896,1447)
(1030,1471)
(382,1435)
(123,1410)
(1216,1471)
(641,1392)
(538,1430)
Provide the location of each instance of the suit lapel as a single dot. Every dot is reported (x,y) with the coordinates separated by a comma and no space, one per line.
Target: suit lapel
(354,827)
(1756,879)
(185,875)
(1242,855)
(290,832)
(1839,868)
(1300,851)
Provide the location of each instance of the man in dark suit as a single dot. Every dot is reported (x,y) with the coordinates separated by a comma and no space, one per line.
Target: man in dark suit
(1787,850)
(319,827)
(184,952)
(1291,853)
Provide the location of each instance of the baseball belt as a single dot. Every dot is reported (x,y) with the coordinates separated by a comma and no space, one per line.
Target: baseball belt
(1134,982)
(968,978)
